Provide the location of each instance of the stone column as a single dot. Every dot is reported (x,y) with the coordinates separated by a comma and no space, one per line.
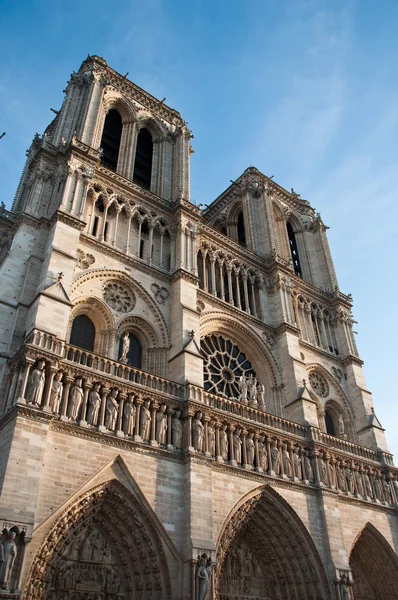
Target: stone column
(230,292)
(22,557)
(47,391)
(213,275)
(25,377)
(314,455)
(246,294)
(217,431)
(232,457)
(188,429)
(169,412)
(104,395)
(119,425)
(268,443)
(206,435)
(257,453)
(137,437)
(65,397)
(152,438)
(237,274)
(244,449)
(86,387)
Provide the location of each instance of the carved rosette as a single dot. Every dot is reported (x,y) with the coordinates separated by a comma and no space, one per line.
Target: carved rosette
(118,296)
(319,384)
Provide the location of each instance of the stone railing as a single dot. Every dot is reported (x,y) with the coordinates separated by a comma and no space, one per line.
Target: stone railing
(343,445)
(46,341)
(245,411)
(113,368)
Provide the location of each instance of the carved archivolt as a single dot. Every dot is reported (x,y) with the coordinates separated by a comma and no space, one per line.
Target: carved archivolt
(104,543)
(265,551)
(374,564)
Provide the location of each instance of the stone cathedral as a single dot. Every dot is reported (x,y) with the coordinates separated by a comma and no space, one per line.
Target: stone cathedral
(183,410)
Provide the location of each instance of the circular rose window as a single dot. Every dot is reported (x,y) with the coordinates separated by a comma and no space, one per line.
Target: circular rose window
(319,384)
(224,363)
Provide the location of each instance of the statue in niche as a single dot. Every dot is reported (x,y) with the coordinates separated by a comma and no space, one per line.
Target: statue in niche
(145,421)
(112,584)
(129,413)
(323,473)
(94,403)
(332,473)
(385,484)
(340,476)
(358,481)
(8,552)
(263,456)
(176,430)
(275,457)
(376,485)
(161,425)
(76,399)
(211,438)
(38,379)
(308,467)
(368,485)
(203,577)
(243,389)
(261,395)
(237,446)
(197,432)
(287,465)
(111,410)
(250,449)
(297,462)
(253,389)
(341,426)
(125,348)
(224,442)
(344,587)
(56,392)
(350,479)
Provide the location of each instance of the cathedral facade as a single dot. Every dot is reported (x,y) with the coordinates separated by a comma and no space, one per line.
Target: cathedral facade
(183,409)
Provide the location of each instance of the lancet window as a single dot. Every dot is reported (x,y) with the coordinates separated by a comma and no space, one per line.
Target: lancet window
(317,325)
(143,159)
(294,250)
(111,137)
(229,280)
(83,333)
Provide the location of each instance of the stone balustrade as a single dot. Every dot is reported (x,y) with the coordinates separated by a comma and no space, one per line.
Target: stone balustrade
(46,341)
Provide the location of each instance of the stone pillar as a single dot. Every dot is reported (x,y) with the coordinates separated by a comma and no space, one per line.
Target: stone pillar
(86,387)
(119,425)
(25,377)
(104,395)
(47,391)
(65,397)
(152,438)
(244,449)
(137,437)
(217,431)
(232,457)
(268,443)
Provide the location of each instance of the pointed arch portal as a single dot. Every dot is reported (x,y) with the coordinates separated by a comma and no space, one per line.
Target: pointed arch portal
(374,567)
(104,547)
(266,553)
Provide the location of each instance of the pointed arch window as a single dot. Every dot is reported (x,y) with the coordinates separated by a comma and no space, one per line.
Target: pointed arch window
(329,424)
(110,141)
(143,159)
(83,333)
(241,229)
(294,250)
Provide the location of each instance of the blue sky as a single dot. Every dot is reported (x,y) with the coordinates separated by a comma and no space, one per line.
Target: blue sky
(305,90)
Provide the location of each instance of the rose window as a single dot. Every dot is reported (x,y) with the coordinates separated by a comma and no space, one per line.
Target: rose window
(224,363)
(319,384)
(118,296)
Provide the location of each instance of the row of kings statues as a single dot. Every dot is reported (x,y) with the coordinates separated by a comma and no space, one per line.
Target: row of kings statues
(147,421)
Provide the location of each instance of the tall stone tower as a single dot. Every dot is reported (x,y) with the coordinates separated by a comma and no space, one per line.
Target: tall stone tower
(183,410)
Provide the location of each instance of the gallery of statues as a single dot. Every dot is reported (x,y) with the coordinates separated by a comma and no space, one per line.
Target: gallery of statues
(183,410)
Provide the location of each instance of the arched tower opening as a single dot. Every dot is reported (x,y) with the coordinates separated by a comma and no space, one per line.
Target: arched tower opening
(110,141)
(143,159)
(294,249)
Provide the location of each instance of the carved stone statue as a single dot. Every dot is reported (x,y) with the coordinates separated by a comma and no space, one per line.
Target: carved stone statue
(176,430)
(111,410)
(263,456)
(94,403)
(237,446)
(129,412)
(8,552)
(76,399)
(161,425)
(350,480)
(145,421)
(386,489)
(344,587)
(224,442)
(211,438)
(203,577)
(243,389)
(250,449)
(323,474)
(297,462)
(341,426)
(56,392)
(261,395)
(368,485)
(340,475)
(253,389)
(197,432)
(275,457)
(308,468)
(287,465)
(38,379)
(358,481)
(125,348)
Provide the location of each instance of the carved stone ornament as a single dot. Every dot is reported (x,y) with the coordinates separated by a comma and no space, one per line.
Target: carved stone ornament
(161,293)
(319,384)
(84,261)
(118,296)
